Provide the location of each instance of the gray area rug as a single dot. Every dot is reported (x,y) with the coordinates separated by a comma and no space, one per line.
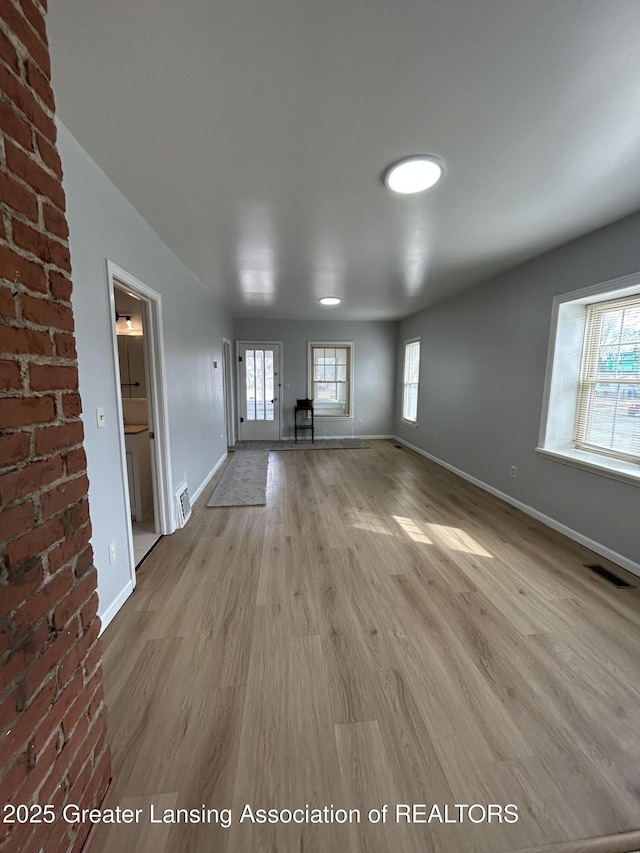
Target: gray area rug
(244,481)
(318,444)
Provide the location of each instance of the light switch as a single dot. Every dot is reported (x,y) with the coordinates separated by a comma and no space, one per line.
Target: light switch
(100,419)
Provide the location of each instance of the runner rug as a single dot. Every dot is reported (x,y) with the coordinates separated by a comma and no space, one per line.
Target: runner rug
(244,481)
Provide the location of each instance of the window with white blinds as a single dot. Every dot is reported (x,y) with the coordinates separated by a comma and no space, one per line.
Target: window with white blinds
(410,381)
(608,410)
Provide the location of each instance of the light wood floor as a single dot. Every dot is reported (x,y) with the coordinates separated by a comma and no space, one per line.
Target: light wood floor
(381,632)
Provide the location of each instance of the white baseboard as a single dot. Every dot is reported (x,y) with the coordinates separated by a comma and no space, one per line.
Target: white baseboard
(116,604)
(374,437)
(597,547)
(329,437)
(207,479)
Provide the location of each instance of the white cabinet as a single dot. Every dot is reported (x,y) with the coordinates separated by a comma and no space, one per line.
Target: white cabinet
(136,440)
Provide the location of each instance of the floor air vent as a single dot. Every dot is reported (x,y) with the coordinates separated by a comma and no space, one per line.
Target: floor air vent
(609,576)
(184,505)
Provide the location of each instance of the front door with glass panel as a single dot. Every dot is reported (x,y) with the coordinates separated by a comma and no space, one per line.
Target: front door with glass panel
(259,391)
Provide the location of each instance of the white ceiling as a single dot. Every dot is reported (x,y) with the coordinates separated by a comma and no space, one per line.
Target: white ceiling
(251,134)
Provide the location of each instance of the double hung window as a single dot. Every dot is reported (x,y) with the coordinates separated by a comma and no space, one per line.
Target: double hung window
(591,413)
(410,381)
(330,378)
(608,410)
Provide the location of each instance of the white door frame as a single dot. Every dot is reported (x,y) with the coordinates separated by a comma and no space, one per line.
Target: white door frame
(156,394)
(260,343)
(227,379)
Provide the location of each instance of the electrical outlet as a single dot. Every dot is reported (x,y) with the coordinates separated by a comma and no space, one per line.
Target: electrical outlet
(514,471)
(112,552)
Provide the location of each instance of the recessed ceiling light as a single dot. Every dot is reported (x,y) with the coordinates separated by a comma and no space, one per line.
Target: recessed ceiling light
(414,174)
(330,300)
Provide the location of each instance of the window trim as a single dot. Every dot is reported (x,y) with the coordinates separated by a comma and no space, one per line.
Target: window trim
(331,344)
(560,396)
(407,343)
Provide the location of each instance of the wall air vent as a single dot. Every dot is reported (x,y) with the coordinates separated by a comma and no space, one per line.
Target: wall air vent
(184,505)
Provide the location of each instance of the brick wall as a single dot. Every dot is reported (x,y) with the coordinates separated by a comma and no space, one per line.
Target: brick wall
(52,718)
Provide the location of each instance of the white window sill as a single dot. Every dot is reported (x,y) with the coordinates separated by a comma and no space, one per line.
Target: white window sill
(333,417)
(615,469)
(412,424)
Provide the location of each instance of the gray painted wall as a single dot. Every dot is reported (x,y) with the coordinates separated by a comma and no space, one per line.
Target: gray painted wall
(374,349)
(483,362)
(103,225)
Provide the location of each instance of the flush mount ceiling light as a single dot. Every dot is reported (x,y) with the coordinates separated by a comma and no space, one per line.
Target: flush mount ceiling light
(414,174)
(330,300)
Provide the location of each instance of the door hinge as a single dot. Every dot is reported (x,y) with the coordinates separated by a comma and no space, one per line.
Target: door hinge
(241,420)
(239,358)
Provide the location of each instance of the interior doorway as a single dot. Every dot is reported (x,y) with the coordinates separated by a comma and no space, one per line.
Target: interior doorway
(137,420)
(144,436)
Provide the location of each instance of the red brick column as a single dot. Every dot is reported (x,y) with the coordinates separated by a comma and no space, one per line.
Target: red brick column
(52,717)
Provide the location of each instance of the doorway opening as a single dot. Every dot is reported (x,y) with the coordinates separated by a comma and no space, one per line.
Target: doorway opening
(139,369)
(136,420)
